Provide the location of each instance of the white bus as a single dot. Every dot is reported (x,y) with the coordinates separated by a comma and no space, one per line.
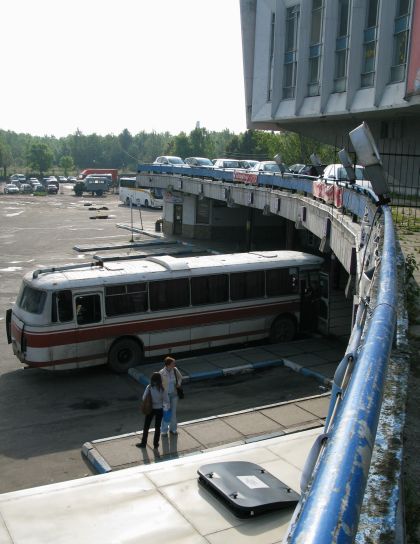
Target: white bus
(119,312)
(132,193)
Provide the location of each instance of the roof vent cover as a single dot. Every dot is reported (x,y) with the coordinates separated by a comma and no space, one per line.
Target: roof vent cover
(246,488)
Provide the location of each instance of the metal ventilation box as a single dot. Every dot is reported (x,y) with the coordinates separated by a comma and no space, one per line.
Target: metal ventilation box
(246,488)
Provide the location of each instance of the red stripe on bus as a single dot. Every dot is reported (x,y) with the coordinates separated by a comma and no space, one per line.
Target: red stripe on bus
(89,358)
(77,336)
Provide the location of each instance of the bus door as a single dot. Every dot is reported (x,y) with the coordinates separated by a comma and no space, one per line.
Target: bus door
(62,316)
(177,218)
(309,297)
(89,320)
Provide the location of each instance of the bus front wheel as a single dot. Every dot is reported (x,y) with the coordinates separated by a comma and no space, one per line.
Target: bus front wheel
(124,354)
(283,329)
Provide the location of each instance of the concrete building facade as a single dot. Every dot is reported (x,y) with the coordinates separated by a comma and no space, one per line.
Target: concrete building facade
(321,67)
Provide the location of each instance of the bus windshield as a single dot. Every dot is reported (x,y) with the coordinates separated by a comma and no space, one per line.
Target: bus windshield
(128,182)
(157,192)
(31,300)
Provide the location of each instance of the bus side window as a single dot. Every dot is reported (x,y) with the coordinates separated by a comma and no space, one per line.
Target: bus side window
(65,306)
(209,289)
(282,281)
(168,294)
(244,285)
(88,309)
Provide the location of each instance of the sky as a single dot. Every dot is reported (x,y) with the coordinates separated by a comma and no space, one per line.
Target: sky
(105,65)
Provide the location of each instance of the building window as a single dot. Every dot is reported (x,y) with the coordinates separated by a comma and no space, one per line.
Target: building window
(341,46)
(315,48)
(401,27)
(290,52)
(271,59)
(369,44)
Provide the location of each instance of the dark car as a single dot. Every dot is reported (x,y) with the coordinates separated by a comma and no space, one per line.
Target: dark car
(52,189)
(199,161)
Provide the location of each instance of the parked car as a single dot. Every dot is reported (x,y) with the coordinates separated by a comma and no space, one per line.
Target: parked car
(169,160)
(199,161)
(268,167)
(37,187)
(10,188)
(296,168)
(17,179)
(337,172)
(71,179)
(248,163)
(228,164)
(306,169)
(25,188)
(62,179)
(33,180)
(52,189)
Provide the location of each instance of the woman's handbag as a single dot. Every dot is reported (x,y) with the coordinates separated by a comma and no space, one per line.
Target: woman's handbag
(179,389)
(146,404)
(180,392)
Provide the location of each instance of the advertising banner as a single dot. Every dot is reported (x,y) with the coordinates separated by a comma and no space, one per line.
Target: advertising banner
(245,177)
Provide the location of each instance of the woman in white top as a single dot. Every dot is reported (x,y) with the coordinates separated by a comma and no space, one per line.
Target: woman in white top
(171,381)
(160,401)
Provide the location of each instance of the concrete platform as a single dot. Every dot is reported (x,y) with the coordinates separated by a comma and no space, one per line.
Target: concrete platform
(120,452)
(319,359)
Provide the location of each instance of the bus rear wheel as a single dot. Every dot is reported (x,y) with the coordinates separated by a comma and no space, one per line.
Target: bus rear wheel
(124,354)
(283,329)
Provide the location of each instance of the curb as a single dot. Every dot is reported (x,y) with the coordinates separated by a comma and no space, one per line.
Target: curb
(137,374)
(95,458)
(308,372)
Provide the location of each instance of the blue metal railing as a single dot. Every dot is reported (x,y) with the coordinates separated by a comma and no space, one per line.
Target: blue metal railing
(330,511)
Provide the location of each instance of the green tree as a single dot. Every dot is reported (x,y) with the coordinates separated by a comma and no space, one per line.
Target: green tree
(180,146)
(40,157)
(67,164)
(6,158)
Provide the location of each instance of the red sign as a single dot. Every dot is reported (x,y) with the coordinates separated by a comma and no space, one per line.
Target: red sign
(329,193)
(245,177)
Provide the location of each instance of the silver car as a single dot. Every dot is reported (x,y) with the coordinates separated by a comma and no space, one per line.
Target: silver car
(10,188)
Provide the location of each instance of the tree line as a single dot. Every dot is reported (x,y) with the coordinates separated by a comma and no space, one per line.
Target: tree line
(25,153)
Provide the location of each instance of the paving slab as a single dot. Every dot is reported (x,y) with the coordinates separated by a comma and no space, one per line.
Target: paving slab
(227,360)
(307,360)
(284,350)
(303,426)
(316,406)
(313,345)
(252,424)
(213,432)
(255,355)
(288,415)
(199,365)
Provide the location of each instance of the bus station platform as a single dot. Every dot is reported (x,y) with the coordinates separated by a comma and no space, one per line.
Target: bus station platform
(311,357)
